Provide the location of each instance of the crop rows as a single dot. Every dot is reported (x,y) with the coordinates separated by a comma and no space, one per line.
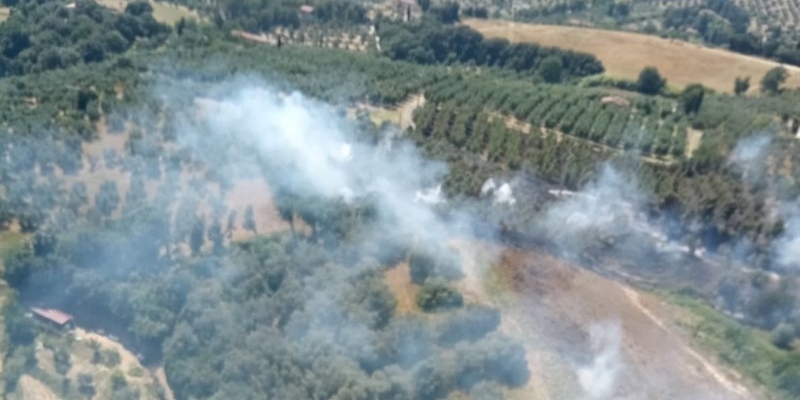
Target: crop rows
(648,125)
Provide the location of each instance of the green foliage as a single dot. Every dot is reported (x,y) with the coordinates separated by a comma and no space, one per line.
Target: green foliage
(111,358)
(39,37)
(428,42)
(650,81)
(741,85)
(746,349)
(61,361)
(783,335)
(436,294)
(692,98)
(773,79)
(550,70)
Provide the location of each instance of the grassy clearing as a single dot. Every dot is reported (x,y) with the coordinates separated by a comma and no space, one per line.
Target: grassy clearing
(746,350)
(4,12)
(163,12)
(11,242)
(625,54)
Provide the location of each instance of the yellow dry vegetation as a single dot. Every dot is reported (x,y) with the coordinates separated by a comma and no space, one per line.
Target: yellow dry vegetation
(163,12)
(625,54)
(4,12)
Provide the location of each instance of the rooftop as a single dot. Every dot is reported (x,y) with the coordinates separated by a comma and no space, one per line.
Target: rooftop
(53,315)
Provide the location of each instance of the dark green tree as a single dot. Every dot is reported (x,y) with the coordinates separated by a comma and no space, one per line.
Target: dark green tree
(741,85)
(692,98)
(550,69)
(773,79)
(650,81)
(249,219)
(436,294)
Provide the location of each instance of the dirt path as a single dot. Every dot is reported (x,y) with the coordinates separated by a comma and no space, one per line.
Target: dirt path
(161,376)
(406,110)
(722,379)
(554,307)
(32,389)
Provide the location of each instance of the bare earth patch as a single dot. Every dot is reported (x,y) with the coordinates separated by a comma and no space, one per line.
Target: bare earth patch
(625,54)
(405,292)
(693,139)
(4,13)
(30,388)
(163,12)
(552,307)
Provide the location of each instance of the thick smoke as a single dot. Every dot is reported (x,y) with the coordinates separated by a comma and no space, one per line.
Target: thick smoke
(598,379)
(502,194)
(332,161)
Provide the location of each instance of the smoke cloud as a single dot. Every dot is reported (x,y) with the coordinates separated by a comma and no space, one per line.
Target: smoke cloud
(598,379)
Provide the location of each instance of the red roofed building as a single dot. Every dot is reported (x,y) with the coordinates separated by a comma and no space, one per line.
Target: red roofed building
(54,318)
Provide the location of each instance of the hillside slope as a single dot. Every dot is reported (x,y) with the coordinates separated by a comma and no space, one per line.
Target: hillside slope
(625,54)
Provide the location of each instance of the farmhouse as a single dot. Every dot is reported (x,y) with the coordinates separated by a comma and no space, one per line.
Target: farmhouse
(54,318)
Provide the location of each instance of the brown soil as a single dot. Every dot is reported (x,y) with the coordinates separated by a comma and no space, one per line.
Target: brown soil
(405,292)
(551,305)
(32,389)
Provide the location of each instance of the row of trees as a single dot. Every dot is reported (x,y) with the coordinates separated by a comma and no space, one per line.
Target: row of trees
(722,22)
(573,111)
(430,42)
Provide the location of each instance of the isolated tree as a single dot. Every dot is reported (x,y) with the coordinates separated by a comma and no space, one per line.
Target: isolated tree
(196,235)
(650,81)
(692,98)
(61,361)
(249,219)
(424,4)
(783,335)
(436,294)
(741,85)
(773,79)
(215,236)
(550,69)
(107,198)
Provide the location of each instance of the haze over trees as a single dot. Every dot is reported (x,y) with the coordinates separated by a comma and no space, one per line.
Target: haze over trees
(307,313)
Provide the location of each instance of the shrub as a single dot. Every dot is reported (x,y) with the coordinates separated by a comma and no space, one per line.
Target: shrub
(436,294)
(782,336)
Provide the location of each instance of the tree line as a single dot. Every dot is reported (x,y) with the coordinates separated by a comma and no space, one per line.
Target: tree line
(431,42)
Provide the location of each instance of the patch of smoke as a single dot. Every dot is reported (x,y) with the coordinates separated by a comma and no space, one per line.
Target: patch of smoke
(786,247)
(328,157)
(750,156)
(502,194)
(611,205)
(598,379)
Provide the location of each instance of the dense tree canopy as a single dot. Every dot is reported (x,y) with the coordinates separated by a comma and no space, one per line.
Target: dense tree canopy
(39,37)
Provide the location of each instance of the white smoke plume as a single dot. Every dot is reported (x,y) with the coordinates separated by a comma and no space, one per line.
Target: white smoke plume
(611,204)
(502,194)
(786,247)
(598,380)
(750,155)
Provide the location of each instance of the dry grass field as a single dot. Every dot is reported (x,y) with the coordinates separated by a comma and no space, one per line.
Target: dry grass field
(163,12)
(624,54)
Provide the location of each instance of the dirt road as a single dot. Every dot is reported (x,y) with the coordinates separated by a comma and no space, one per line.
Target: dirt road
(556,309)
(32,389)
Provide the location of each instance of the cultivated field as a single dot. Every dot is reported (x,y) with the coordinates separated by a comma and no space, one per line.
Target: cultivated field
(625,54)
